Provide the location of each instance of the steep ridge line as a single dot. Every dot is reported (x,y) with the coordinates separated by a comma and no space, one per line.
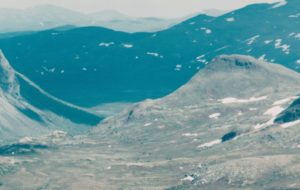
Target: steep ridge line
(67,110)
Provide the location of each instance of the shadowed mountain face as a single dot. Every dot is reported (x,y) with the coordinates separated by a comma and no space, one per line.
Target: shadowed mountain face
(218,131)
(28,110)
(121,67)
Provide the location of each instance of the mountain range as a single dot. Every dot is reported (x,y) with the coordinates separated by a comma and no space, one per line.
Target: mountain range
(45,17)
(210,103)
(121,67)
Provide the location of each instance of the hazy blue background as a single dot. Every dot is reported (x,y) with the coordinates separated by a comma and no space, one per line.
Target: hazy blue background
(144,8)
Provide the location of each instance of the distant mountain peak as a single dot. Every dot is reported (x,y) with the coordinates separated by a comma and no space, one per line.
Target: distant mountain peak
(48,7)
(110,13)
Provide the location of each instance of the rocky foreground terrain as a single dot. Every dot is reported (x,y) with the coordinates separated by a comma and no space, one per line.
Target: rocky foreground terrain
(234,125)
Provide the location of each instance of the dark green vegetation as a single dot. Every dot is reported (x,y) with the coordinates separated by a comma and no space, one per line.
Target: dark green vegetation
(31,114)
(20,149)
(291,114)
(229,136)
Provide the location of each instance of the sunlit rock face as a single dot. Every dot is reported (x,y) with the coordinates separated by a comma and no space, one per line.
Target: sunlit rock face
(13,123)
(8,81)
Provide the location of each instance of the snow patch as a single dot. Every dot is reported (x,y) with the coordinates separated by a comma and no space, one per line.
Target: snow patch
(251,40)
(231,100)
(292,34)
(207,30)
(154,54)
(290,124)
(201,59)
(294,16)
(26,140)
(106,44)
(274,111)
(127,46)
(178,67)
(51,70)
(210,144)
(188,178)
(284,101)
(147,124)
(279,4)
(190,135)
(268,41)
(252,109)
(240,113)
(231,19)
(263,58)
(284,47)
(222,48)
(264,125)
(161,127)
(214,116)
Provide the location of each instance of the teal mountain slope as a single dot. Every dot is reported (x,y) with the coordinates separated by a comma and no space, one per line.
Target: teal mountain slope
(121,67)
